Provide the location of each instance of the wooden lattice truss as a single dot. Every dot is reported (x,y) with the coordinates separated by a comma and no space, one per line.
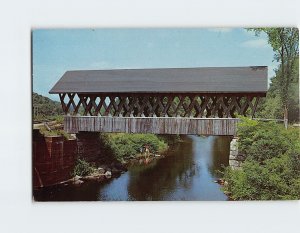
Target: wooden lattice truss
(160,105)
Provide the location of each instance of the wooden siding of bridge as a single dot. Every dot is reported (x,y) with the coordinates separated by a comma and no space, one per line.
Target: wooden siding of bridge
(155,125)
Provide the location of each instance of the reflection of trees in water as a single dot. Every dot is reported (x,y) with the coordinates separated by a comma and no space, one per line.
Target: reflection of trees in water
(163,178)
(219,153)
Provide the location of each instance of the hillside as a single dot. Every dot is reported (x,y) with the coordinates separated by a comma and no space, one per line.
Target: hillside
(44,108)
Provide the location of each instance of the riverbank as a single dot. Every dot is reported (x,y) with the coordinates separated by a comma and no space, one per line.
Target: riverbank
(187,171)
(271,170)
(105,172)
(55,153)
(118,152)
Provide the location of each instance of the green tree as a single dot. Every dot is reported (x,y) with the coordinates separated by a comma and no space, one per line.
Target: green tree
(45,108)
(271,170)
(285,44)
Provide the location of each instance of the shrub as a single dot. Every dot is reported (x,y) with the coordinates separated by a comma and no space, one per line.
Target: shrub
(126,145)
(262,140)
(272,167)
(275,180)
(82,168)
(56,132)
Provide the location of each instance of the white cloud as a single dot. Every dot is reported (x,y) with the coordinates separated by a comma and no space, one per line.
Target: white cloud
(256,43)
(220,30)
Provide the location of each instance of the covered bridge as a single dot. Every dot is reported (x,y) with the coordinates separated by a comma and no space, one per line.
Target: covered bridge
(161,101)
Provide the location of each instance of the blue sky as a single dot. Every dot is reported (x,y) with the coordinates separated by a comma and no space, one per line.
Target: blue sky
(57,50)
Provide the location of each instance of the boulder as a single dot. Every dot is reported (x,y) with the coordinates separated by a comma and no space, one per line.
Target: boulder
(77,177)
(108,174)
(148,160)
(234,163)
(108,169)
(234,152)
(241,157)
(118,166)
(100,170)
(86,178)
(78,182)
(115,171)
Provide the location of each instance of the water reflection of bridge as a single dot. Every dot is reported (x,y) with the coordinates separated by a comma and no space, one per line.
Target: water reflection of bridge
(161,101)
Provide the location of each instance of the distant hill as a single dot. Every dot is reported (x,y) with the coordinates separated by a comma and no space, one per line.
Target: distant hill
(44,108)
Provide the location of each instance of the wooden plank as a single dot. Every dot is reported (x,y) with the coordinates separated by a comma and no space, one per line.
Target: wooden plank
(151,105)
(156,125)
(63,105)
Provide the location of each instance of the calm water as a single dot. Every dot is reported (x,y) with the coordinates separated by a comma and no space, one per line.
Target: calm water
(187,173)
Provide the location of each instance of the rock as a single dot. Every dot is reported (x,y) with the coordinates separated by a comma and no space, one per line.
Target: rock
(227,193)
(233,147)
(100,170)
(115,171)
(86,178)
(94,177)
(78,182)
(240,157)
(232,157)
(234,163)
(234,152)
(119,166)
(108,174)
(219,181)
(148,160)
(77,178)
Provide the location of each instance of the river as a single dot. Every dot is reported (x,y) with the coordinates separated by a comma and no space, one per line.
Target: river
(188,172)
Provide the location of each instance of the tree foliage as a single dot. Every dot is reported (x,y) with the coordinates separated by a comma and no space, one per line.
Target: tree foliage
(276,179)
(262,140)
(82,168)
(272,167)
(123,145)
(45,108)
(285,44)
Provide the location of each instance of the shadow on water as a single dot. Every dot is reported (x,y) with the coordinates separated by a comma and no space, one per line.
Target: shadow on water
(187,173)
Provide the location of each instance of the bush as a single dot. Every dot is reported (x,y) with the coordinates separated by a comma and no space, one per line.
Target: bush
(272,167)
(262,140)
(82,168)
(56,132)
(275,180)
(126,145)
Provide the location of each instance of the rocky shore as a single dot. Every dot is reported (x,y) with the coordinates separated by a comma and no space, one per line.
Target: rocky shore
(108,171)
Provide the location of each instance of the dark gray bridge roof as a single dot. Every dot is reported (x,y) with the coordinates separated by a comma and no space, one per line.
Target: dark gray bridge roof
(165,80)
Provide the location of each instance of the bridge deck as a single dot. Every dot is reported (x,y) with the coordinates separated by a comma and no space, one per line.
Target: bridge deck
(155,125)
